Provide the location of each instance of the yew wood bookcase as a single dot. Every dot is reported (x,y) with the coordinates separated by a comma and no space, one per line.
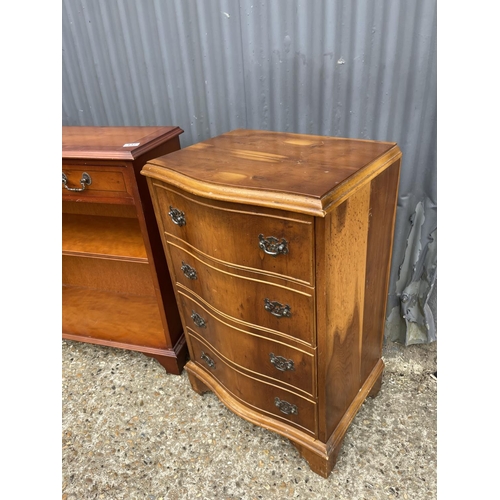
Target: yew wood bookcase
(116,288)
(279,246)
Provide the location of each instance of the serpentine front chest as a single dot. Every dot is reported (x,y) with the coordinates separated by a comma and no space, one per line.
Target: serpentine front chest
(279,248)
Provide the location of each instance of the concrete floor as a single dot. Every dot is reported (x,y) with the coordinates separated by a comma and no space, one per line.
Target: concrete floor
(131,431)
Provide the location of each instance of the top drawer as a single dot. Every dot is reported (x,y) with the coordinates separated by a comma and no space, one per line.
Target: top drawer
(274,242)
(95,183)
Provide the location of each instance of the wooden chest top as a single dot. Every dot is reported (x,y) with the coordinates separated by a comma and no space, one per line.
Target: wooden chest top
(304,173)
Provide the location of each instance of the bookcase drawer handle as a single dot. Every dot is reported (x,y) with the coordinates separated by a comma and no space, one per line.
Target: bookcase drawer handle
(280,363)
(198,320)
(85,181)
(285,407)
(209,361)
(277,309)
(273,246)
(178,216)
(189,272)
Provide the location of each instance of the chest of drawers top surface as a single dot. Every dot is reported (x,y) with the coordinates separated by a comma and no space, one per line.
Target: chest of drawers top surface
(113,143)
(303,173)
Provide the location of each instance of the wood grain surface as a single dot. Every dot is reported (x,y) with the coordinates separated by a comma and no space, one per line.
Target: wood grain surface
(334,201)
(116,143)
(116,284)
(112,237)
(305,174)
(230,234)
(111,183)
(127,319)
(111,275)
(341,258)
(383,204)
(250,350)
(244,299)
(280,162)
(253,392)
(99,209)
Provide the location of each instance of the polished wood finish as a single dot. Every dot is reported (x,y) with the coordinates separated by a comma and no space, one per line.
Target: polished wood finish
(116,285)
(110,182)
(277,170)
(246,296)
(107,315)
(383,206)
(341,256)
(333,201)
(117,143)
(113,275)
(229,228)
(238,347)
(102,209)
(253,391)
(111,237)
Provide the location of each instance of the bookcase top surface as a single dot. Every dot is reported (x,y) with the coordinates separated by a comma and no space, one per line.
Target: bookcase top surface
(113,143)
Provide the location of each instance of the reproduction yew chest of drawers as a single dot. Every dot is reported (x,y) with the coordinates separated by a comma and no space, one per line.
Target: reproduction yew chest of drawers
(279,248)
(116,285)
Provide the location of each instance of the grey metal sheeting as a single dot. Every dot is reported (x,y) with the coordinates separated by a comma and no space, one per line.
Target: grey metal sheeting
(359,69)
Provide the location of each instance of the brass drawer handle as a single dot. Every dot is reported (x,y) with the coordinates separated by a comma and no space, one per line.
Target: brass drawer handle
(273,246)
(178,216)
(198,320)
(277,309)
(189,272)
(285,407)
(282,364)
(209,361)
(85,181)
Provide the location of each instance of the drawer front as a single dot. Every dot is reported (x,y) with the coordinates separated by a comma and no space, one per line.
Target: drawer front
(266,398)
(274,242)
(281,309)
(256,353)
(105,182)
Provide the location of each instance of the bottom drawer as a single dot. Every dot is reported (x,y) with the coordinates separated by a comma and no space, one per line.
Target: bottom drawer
(266,398)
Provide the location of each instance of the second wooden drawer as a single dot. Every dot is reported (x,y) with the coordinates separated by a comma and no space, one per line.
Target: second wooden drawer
(284,310)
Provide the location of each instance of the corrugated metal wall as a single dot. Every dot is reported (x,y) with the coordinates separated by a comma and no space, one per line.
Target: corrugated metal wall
(359,69)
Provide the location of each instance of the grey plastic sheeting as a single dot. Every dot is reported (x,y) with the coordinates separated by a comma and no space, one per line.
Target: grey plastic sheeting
(359,69)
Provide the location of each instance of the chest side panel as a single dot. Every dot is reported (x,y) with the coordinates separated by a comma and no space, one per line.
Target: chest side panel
(383,203)
(341,263)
